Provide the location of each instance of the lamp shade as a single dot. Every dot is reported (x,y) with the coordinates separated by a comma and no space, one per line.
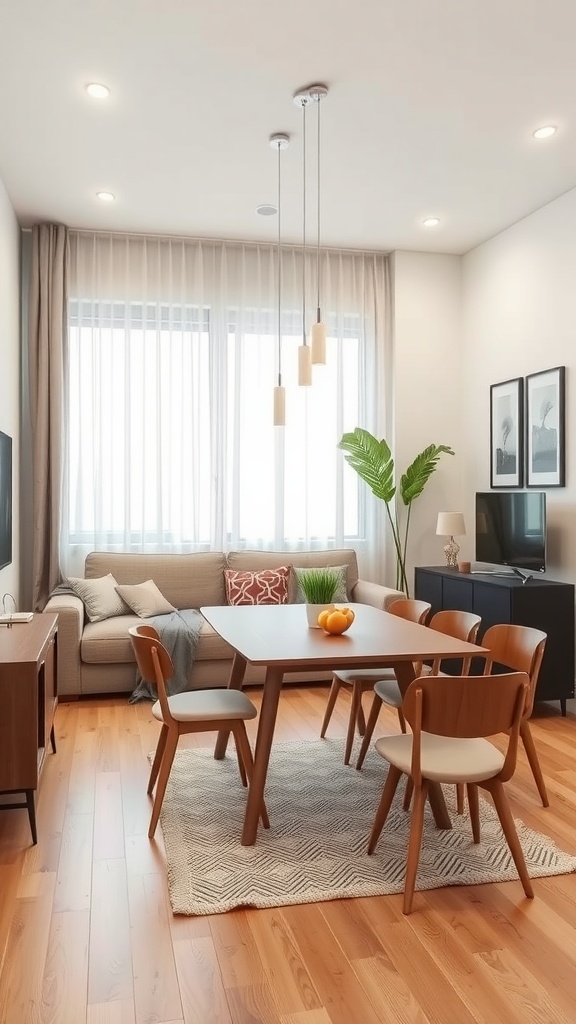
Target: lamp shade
(450,524)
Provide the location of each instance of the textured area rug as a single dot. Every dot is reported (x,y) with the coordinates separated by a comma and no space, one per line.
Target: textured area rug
(321,813)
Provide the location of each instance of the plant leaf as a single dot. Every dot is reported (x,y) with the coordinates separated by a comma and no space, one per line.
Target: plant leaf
(372,460)
(413,481)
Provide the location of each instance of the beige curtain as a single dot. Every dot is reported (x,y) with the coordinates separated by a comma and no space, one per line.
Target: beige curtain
(46,342)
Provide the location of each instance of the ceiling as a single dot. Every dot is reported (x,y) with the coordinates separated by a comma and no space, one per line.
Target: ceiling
(431,109)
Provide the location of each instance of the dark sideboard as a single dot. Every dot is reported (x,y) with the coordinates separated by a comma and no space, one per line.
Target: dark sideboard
(541,603)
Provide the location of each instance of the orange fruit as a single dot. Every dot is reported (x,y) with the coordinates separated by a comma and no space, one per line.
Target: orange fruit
(336,622)
(323,616)
(348,613)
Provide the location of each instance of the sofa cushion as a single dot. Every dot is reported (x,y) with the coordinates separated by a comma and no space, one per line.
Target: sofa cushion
(145,599)
(108,642)
(269,586)
(101,600)
(186,581)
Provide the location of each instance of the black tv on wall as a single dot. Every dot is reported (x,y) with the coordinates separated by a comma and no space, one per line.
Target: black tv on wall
(5,499)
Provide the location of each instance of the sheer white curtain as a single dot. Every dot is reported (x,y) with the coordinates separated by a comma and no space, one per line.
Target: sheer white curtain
(172,360)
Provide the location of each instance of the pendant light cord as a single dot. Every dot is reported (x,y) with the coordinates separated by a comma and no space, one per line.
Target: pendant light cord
(304,223)
(318,104)
(279,271)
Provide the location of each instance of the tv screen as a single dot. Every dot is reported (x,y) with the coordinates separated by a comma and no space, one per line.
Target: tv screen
(5,500)
(511,529)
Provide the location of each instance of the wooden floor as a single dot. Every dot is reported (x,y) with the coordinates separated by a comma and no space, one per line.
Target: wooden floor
(87,935)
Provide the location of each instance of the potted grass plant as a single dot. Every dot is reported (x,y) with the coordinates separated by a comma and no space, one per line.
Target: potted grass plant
(318,587)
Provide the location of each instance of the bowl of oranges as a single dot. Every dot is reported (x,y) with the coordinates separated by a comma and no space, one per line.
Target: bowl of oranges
(335,620)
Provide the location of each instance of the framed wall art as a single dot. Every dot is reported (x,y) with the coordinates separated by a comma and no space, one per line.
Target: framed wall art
(545,442)
(506,433)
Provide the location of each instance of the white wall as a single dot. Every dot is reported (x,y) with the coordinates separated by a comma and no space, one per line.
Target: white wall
(519,317)
(10,375)
(426,315)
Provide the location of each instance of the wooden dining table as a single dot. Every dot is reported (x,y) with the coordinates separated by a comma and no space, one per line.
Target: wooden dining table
(279,638)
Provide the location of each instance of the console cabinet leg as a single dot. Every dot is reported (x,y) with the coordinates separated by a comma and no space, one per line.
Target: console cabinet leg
(32,814)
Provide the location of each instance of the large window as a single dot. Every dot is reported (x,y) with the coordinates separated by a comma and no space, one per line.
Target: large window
(170,440)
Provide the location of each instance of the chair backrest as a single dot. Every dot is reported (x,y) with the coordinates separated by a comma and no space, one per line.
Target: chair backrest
(408,608)
(467,707)
(154,662)
(516,647)
(462,626)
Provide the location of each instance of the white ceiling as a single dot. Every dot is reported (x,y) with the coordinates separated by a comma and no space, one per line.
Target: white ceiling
(431,110)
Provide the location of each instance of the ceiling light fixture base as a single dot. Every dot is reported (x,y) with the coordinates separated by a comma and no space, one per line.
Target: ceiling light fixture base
(279,140)
(311,94)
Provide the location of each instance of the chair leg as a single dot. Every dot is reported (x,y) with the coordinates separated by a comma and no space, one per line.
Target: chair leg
(356,698)
(241,767)
(414,844)
(401,719)
(160,747)
(408,793)
(245,756)
(459,798)
(370,726)
(361,720)
(334,691)
(509,829)
(163,775)
(474,806)
(390,787)
(528,741)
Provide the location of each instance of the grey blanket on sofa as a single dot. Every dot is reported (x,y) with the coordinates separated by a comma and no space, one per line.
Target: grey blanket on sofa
(179,632)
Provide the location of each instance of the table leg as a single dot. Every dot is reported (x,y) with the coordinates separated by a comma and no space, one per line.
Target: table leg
(404,671)
(266,723)
(235,681)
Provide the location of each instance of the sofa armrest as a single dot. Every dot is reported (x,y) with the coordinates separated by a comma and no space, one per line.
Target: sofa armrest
(375,594)
(70,611)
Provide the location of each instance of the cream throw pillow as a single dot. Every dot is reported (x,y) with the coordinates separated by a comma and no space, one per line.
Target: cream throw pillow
(100,598)
(145,599)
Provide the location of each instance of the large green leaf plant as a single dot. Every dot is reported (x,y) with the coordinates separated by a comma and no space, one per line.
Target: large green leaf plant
(373,461)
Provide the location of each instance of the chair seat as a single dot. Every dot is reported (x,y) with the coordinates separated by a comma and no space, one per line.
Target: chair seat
(444,758)
(364,675)
(204,705)
(389,691)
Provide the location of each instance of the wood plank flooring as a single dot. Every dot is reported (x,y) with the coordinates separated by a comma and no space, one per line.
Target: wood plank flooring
(87,935)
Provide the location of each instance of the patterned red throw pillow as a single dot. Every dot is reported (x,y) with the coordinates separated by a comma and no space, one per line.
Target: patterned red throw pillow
(268,586)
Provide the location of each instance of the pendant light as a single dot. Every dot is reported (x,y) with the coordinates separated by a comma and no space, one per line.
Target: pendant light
(318,331)
(303,99)
(279,141)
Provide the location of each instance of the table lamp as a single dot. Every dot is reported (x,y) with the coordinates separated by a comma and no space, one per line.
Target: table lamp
(448,524)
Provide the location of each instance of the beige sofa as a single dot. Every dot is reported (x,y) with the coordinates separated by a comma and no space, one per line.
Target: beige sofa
(97,657)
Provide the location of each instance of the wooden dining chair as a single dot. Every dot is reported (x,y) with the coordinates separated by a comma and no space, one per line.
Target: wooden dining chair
(191,711)
(363,679)
(462,626)
(450,718)
(520,648)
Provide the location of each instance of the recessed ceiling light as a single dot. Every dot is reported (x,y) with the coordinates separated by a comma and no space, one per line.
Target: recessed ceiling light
(266,209)
(545,132)
(97,91)
(106,197)
(431,222)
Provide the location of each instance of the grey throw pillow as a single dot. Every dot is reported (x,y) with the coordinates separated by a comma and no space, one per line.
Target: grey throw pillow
(340,595)
(100,598)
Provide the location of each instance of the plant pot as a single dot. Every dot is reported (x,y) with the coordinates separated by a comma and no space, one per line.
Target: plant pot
(313,611)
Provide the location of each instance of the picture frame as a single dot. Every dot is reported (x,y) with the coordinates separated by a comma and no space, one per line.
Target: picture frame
(506,433)
(545,428)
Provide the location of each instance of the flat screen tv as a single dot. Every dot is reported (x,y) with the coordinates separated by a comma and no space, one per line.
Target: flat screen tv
(5,500)
(511,529)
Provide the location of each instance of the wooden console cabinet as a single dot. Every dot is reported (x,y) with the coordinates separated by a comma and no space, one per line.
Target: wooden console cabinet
(28,698)
(540,603)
